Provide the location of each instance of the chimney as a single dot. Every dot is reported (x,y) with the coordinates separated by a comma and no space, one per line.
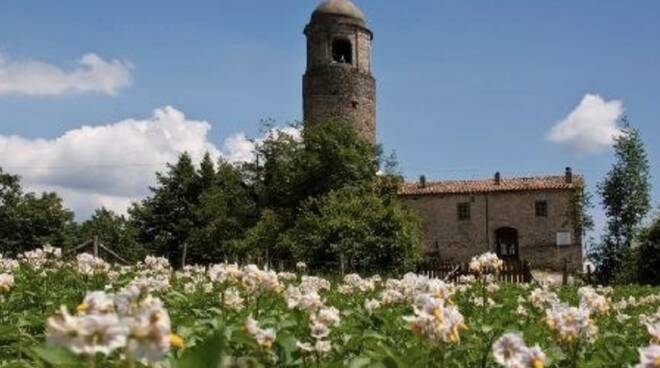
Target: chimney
(569,175)
(422,181)
(498,178)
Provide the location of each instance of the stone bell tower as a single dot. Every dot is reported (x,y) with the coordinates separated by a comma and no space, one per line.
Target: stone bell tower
(338,84)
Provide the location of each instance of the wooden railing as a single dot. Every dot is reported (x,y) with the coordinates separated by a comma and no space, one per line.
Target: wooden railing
(516,272)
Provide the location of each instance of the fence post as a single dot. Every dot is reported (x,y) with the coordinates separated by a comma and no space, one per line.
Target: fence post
(564,274)
(341,263)
(184,255)
(526,272)
(95,248)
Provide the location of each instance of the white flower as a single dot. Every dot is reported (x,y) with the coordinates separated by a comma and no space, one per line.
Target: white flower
(596,303)
(150,332)
(225,272)
(97,302)
(622,317)
(322,347)
(491,288)
(571,323)
(232,299)
(8,265)
(486,263)
(319,330)
(265,337)
(509,349)
(371,305)
(6,282)
(328,316)
(305,347)
(100,334)
(534,358)
(251,326)
(87,334)
(301,266)
(189,288)
(87,264)
(521,311)
(652,324)
(435,320)
(649,357)
(314,283)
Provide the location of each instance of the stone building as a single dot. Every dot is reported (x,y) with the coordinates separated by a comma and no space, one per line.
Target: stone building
(519,218)
(338,84)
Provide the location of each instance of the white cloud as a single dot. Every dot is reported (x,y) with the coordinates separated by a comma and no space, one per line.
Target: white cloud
(108,165)
(36,78)
(239,148)
(113,165)
(591,126)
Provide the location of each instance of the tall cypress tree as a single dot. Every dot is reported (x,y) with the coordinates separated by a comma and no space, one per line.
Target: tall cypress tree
(626,199)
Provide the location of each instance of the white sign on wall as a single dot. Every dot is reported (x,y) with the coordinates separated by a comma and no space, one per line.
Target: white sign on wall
(564,239)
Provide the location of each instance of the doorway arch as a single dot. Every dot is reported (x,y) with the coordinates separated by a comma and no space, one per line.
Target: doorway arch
(506,241)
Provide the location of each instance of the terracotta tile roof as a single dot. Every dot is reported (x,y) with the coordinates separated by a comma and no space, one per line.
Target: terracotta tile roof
(520,184)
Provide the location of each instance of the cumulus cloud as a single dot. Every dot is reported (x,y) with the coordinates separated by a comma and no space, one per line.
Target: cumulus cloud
(109,165)
(591,126)
(92,74)
(113,165)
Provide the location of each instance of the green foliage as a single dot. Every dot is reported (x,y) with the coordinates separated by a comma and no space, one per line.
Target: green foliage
(625,194)
(226,210)
(166,220)
(358,227)
(29,220)
(300,186)
(215,335)
(648,255)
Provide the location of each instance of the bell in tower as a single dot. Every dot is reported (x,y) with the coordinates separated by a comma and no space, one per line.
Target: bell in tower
(338,84)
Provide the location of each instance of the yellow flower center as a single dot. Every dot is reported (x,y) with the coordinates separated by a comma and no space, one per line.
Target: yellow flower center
(177,341)
(657,362)
(537,363)
(84,307)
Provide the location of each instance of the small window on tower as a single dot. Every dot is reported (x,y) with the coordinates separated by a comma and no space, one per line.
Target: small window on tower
(342,51)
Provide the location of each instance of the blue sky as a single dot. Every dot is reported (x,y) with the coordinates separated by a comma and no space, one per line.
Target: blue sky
(464,88)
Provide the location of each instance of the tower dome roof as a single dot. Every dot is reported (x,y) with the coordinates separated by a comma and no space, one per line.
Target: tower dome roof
(343,8)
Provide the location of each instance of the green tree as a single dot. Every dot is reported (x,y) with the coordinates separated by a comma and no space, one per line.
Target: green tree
(625,195)
(10,198)
(648,254)
(165,220)
(115,232)
(29,220)
(359,228)
(335,156)
(226,210)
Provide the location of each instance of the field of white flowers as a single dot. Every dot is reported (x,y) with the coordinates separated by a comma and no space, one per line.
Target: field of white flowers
(88,313)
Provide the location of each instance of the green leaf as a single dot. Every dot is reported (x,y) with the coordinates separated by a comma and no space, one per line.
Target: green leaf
(57,357)
(208,354)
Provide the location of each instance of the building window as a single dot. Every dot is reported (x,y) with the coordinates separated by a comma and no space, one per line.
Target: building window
(541,208)
(463,211)
(342,51)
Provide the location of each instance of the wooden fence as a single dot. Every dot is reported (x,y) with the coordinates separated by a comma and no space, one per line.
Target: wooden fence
(516,272)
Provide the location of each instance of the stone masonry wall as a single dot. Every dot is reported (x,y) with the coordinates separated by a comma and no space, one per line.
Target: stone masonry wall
(335,91)
(340,92)
(460,240)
